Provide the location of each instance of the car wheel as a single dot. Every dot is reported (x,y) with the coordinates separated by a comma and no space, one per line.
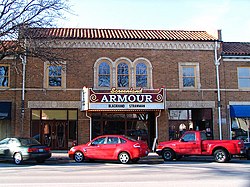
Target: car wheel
(221,155)
(18,158)
(124,157)
(79,156)
(168,155)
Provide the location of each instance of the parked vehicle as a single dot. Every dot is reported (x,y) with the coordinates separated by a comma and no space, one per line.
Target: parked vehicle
(247,148)
(110,147)
(20,149)
(196,143)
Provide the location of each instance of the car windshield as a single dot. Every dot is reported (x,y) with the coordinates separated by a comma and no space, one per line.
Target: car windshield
(29,141)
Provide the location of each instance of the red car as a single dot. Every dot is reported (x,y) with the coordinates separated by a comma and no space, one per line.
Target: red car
(110,147)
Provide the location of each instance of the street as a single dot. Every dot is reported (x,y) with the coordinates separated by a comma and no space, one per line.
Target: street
(184,173)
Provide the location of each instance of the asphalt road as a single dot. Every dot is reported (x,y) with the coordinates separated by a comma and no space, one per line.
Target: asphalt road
(185,173)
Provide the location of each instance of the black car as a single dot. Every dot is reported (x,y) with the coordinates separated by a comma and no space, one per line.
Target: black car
(20,149)
(247,148)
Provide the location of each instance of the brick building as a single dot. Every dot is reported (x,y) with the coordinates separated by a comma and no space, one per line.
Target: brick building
(149,84)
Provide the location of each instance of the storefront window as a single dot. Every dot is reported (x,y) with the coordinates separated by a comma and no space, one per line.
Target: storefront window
(54,114)
(55,128)
(240,128)
(72,114)
(35,114)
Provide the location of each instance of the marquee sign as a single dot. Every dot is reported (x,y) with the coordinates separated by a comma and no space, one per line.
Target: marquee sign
(122,99)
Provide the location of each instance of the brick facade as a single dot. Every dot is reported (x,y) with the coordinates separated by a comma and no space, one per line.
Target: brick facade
(165,64)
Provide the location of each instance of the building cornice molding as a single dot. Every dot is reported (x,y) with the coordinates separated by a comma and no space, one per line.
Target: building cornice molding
(120,44)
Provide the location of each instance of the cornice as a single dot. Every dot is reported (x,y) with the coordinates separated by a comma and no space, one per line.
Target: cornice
(120,44)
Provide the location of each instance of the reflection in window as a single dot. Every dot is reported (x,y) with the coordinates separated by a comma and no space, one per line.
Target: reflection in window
(122,75)
(188,75)
(141,75)
(4,76)
(104,75)
(55,76)
(244,77)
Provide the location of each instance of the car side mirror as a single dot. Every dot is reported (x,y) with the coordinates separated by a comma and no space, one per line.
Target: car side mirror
(182,140)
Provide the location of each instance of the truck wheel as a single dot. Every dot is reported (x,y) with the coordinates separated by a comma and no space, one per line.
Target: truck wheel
(168,155)
(221,155)
(79,156)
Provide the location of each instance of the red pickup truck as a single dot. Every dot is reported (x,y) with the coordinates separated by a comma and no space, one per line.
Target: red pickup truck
(195,143)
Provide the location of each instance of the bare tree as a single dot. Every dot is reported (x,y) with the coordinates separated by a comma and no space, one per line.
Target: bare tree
(18,16)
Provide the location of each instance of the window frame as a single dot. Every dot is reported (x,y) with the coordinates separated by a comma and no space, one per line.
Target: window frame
(63,75)
(244,77)
(8,77)
(196,75)
(113,72)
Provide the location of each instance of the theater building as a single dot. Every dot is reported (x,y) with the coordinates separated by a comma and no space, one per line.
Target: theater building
(149,84)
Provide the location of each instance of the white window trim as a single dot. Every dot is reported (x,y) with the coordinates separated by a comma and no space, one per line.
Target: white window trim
(197,75)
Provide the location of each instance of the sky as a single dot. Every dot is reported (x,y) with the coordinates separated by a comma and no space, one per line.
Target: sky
(230,16)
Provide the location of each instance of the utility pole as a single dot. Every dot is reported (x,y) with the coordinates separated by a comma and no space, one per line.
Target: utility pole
(217,64)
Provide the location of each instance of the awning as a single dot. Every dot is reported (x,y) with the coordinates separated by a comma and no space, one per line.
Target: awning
(5,110)
(240,111)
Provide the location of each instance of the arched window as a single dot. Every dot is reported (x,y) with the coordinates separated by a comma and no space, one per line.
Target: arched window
(141,75)
(104,75)
(122,75)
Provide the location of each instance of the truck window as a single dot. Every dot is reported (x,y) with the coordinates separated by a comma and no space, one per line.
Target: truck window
(189,137)
(203,136)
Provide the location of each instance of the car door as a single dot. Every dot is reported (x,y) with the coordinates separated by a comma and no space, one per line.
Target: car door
(94,149)
(110,147)
(188,145)
(4,148)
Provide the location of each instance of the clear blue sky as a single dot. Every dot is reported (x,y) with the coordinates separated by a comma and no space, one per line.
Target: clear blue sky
(231,16)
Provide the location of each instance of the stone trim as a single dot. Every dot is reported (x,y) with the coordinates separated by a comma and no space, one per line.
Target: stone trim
(54,104)
(190,104)
(119,44)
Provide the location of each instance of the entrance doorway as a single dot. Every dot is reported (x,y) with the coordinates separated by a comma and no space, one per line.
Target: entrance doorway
(140,126)
(54,134)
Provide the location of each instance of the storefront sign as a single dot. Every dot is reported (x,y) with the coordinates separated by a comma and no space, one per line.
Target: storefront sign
(124,99)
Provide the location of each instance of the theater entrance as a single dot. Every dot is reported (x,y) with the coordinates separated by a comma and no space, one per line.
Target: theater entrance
(140,126)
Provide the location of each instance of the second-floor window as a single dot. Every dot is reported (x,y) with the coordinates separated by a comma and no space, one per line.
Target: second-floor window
(244,77)
(55,76)
(4,76)
(189,75)
(141,75)
(122,75)
(104,75)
